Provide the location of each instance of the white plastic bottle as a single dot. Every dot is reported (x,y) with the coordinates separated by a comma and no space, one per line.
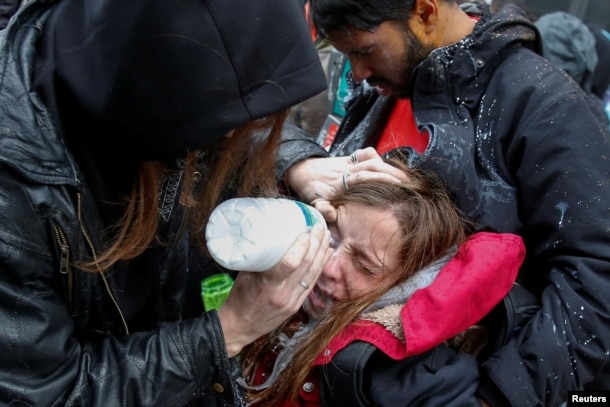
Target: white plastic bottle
(253,234)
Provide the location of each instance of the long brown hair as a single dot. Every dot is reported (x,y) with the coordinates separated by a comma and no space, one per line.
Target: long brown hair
(242,165)
(431,225)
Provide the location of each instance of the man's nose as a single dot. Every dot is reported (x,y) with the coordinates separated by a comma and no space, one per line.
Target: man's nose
(360,71)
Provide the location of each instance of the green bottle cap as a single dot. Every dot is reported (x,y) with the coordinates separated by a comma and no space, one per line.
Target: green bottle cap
(215,290)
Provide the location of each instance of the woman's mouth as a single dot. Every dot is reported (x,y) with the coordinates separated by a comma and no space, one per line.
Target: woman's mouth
(319,300)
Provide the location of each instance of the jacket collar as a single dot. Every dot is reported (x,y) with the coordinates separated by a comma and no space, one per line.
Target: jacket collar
(462,69)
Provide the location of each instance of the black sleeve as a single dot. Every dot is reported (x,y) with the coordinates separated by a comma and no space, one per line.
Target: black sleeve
(439,377)
(296,146)
(563,207)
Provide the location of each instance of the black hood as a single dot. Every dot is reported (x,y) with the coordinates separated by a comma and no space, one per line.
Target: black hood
(157,77)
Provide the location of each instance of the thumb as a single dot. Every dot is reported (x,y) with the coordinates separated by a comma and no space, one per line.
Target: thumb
(326,209)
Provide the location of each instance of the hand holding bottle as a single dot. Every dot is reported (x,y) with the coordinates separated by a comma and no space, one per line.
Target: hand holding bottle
(260,302)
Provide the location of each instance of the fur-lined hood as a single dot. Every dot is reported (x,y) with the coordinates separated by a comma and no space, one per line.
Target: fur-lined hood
(386,311)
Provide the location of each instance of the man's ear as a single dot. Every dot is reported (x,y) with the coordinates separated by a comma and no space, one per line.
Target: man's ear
(424,17)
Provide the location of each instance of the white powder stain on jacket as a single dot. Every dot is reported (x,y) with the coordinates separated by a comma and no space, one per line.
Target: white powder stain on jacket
(562,206)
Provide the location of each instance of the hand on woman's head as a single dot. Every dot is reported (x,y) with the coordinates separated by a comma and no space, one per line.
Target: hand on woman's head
(316,178)
(369,165)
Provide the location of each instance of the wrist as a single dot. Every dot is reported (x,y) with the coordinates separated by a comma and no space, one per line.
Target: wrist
(235,339)
(295,178)
(293,174)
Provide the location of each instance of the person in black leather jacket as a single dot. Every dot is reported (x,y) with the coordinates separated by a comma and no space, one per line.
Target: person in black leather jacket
(521,148)
(122,124)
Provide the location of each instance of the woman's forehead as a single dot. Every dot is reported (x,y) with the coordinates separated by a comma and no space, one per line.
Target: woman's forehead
(368,230)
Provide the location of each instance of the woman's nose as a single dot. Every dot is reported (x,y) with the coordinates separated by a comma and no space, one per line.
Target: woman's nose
(333,268)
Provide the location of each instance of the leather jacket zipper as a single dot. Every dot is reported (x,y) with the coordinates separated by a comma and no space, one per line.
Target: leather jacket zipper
(64,262)
(102,274)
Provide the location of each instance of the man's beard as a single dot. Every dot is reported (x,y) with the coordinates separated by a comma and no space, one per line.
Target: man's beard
(414,52)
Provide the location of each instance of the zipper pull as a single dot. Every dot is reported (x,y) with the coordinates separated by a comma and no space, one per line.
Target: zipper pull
(64,259)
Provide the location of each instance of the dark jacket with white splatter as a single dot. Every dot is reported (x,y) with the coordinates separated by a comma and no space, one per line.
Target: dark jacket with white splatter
(524,150)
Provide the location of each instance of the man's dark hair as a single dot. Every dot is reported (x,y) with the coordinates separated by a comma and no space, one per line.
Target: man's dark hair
(339,15)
